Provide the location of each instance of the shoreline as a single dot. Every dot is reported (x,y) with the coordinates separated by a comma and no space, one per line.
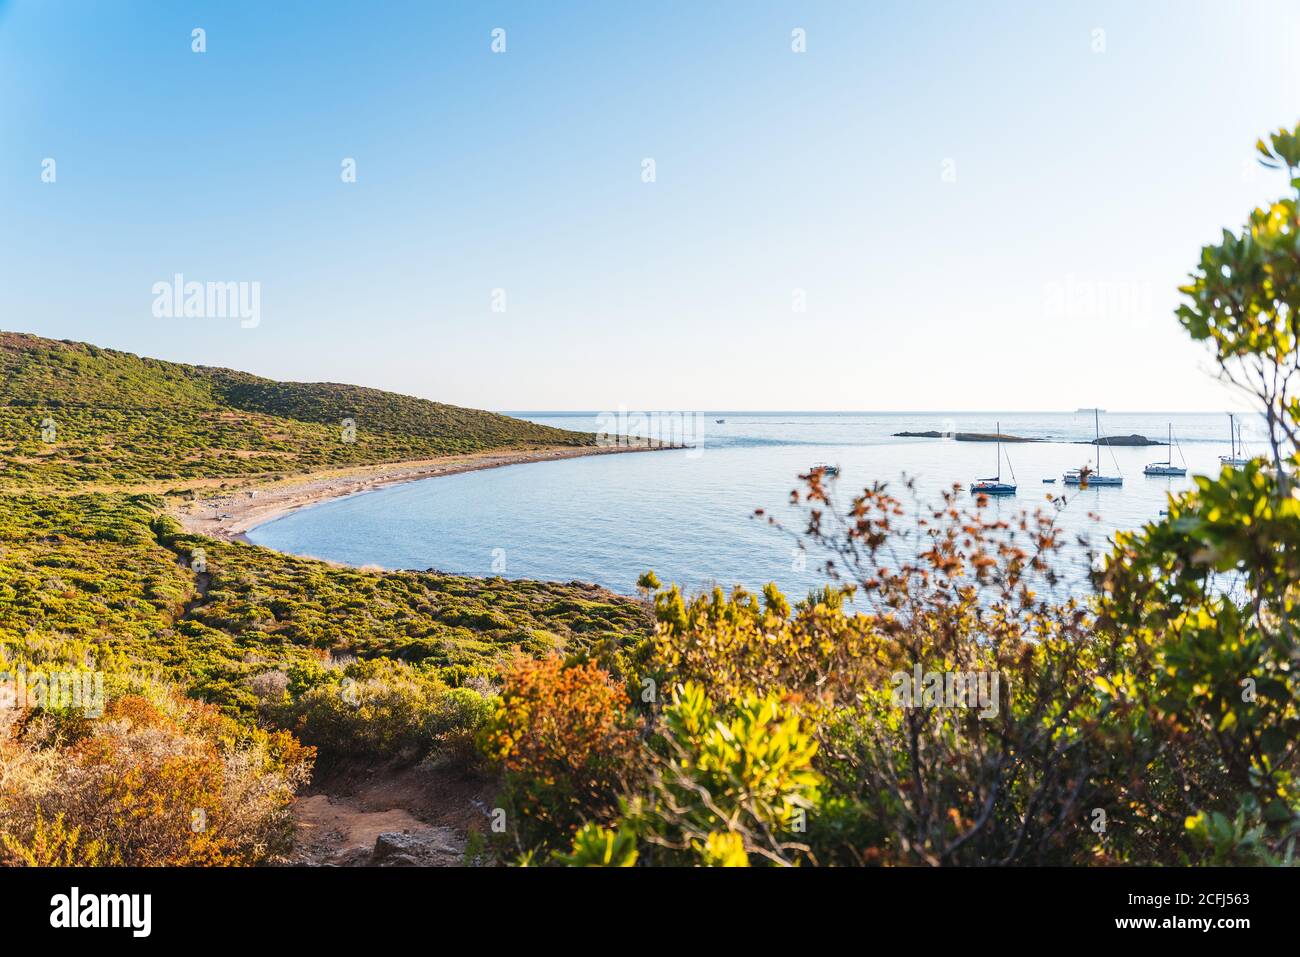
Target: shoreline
(231,515)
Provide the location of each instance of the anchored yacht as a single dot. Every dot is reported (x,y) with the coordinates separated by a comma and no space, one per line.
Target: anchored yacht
(1168,467)
(1238,447)
(995,485)
(1086,476)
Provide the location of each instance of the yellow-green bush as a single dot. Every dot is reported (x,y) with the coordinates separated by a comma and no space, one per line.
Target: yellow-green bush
(728,781)
(380,710)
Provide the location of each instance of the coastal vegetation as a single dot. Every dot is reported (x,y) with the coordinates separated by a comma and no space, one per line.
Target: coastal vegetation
(226,670)
(232,656)
(75,414)
(158,780)
(942,700)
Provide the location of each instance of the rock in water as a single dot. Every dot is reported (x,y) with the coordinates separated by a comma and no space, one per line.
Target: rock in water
(965,436)
(1134,439)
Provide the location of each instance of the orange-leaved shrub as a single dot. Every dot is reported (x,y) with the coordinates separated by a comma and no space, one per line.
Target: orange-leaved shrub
(565,738)
(158,780)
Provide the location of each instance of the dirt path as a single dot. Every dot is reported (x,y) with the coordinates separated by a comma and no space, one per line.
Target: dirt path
(231,513)
(390,818)
(335,831)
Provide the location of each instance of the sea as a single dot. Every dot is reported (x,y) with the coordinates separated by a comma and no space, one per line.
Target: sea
(689,514)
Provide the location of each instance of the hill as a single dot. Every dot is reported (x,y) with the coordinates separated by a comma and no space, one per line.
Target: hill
(109,578)
(71,412)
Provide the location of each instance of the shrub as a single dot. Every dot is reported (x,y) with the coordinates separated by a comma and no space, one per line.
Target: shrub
(953,596)
(154,782)
(52,844)
(458,716)
(728,783)
(381,710)
(1206,597)
(596,846)
(730,645)
(563,736)
(371,718)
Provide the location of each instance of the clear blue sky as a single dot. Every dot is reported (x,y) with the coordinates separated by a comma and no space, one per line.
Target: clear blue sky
(1043,277)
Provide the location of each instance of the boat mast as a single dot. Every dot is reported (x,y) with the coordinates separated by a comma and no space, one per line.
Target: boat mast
(1232,434)
(998,426)
(1169,446)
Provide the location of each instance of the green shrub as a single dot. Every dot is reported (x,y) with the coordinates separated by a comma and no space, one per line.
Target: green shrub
(596,846)
(728,783)
(376,710)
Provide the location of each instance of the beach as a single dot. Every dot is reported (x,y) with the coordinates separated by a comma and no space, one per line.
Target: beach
(232,513)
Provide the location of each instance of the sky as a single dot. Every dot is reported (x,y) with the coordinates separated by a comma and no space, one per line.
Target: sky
(936,205)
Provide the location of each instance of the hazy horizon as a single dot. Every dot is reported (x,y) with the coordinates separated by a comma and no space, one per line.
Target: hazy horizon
(918,411)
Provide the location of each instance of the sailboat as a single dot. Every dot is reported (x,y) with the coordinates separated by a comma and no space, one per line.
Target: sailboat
(1167,467)
(1234,433)
(995,485)
(1085,476)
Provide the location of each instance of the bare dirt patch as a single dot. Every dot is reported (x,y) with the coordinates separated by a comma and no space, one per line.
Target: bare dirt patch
(420,816)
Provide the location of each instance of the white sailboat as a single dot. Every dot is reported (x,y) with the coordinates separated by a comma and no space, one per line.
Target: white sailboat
(1167,467)
(1234,433)
(995,485)
(1086,476)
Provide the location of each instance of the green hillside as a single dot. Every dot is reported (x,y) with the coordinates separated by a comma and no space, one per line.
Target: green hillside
(110,579)
(121,419)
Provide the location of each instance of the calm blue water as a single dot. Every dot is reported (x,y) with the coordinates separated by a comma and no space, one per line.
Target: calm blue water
(687,514)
